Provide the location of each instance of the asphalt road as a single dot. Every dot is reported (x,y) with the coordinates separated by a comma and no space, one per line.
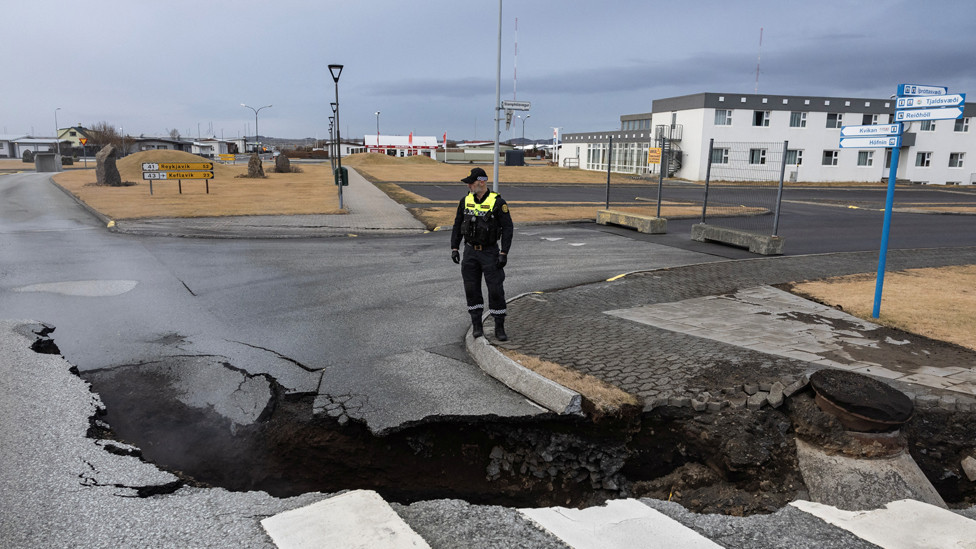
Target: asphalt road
(812,220)
(370,319)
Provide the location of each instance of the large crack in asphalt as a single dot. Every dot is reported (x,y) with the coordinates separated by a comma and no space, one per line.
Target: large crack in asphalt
(213,424)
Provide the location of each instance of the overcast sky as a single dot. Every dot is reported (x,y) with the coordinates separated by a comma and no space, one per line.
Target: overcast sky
(430,67)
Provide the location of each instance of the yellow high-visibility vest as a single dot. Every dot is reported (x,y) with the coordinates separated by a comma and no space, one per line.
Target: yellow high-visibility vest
(473,208)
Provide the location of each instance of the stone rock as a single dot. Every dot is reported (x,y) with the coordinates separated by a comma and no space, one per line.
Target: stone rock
(282,164)
(775,397)
(969,467)
(750,388)
(756,401)
(106,170)
(254,166)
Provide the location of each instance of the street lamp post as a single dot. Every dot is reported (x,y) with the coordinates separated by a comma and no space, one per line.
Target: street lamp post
(122,131)
(523,128)
(256,134)
(377,113)
(336,70)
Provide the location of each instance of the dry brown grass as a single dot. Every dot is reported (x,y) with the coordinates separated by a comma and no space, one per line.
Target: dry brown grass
(420,169)
(939,303)
(309,192)
(606,399)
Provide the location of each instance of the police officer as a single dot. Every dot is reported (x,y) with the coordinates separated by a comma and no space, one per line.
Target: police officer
(483,221)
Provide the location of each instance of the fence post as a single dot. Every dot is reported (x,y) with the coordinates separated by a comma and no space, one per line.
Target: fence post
(708,176)
(609,160)
(779,193)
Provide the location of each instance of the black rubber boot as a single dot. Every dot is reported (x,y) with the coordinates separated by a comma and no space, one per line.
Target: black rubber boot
(500,334)
(478,330)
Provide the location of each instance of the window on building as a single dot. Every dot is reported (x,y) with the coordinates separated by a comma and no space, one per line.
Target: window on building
(923,159)
(798,119)
(927,126)
(757,156)
(865,158)
(869,119)
(830,158)
(834,120)
(887,159)
(760,118)
(720,156)
(956,159)
(723,117)
(794,157)
(962,125)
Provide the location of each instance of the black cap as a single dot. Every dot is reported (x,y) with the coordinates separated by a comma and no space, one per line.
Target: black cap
(476,174)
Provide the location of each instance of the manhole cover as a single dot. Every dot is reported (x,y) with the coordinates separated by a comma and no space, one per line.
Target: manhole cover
(859,402)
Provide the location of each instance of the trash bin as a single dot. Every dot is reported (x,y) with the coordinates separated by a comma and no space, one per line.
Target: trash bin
(343,174)
(515,158)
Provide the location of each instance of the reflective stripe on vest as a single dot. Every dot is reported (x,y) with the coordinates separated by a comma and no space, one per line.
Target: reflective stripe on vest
(473,208)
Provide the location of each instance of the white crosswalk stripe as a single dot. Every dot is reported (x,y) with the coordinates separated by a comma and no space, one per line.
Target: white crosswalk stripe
(903,524)
(625,523)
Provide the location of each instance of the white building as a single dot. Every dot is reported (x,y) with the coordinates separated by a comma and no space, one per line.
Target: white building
(933,152)
(399,145)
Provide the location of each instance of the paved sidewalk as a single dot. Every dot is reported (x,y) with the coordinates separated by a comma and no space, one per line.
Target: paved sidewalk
(370,212)
(671,336)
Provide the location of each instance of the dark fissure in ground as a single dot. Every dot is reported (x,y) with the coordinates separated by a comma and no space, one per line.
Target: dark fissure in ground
(735,462)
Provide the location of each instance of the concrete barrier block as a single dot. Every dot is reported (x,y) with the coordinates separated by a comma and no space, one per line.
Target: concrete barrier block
(642,223)
(756,243)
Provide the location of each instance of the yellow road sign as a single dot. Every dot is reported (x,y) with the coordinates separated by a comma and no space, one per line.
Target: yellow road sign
(169,166)
(177,175)
(654,155)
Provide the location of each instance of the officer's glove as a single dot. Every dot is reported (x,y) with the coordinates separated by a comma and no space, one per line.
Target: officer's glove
(502,260)
(456,256)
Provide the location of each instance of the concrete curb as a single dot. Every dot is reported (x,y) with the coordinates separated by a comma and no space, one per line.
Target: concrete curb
(533,386)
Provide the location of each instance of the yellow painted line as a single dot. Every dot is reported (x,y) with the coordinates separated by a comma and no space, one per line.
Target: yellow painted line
(618,277)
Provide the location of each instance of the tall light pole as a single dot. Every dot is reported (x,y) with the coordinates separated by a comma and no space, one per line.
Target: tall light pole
(122,131)
(256,133)
(523,128)
(377,113)
(498,100)
(336,70)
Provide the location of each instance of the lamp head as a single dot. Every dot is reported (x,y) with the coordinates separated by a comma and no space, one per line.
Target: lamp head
(336,70)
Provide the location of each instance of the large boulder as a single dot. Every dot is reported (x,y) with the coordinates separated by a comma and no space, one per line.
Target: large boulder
(106,171)
(254,167)
(282,164)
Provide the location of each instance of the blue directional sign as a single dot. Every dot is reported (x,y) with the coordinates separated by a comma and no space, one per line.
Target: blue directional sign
(930,101)
(875,130)
(919,89)
(869,142)
(928,114)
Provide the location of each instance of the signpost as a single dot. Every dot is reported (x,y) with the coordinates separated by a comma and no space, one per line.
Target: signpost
(870,131)
(870,142)
(929,101)
(915,102)
(919,89)
(516,105)
(946,113)
(654,155)
(153,171)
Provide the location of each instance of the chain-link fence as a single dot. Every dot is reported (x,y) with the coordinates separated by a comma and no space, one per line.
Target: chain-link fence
(745,178)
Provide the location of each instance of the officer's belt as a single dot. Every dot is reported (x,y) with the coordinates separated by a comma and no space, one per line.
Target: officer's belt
(479,247)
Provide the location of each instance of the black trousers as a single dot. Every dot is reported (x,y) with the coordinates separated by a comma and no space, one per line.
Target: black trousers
(475,265)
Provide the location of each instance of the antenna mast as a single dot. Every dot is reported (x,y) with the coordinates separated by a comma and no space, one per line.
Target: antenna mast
(515,75)
(758,59)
